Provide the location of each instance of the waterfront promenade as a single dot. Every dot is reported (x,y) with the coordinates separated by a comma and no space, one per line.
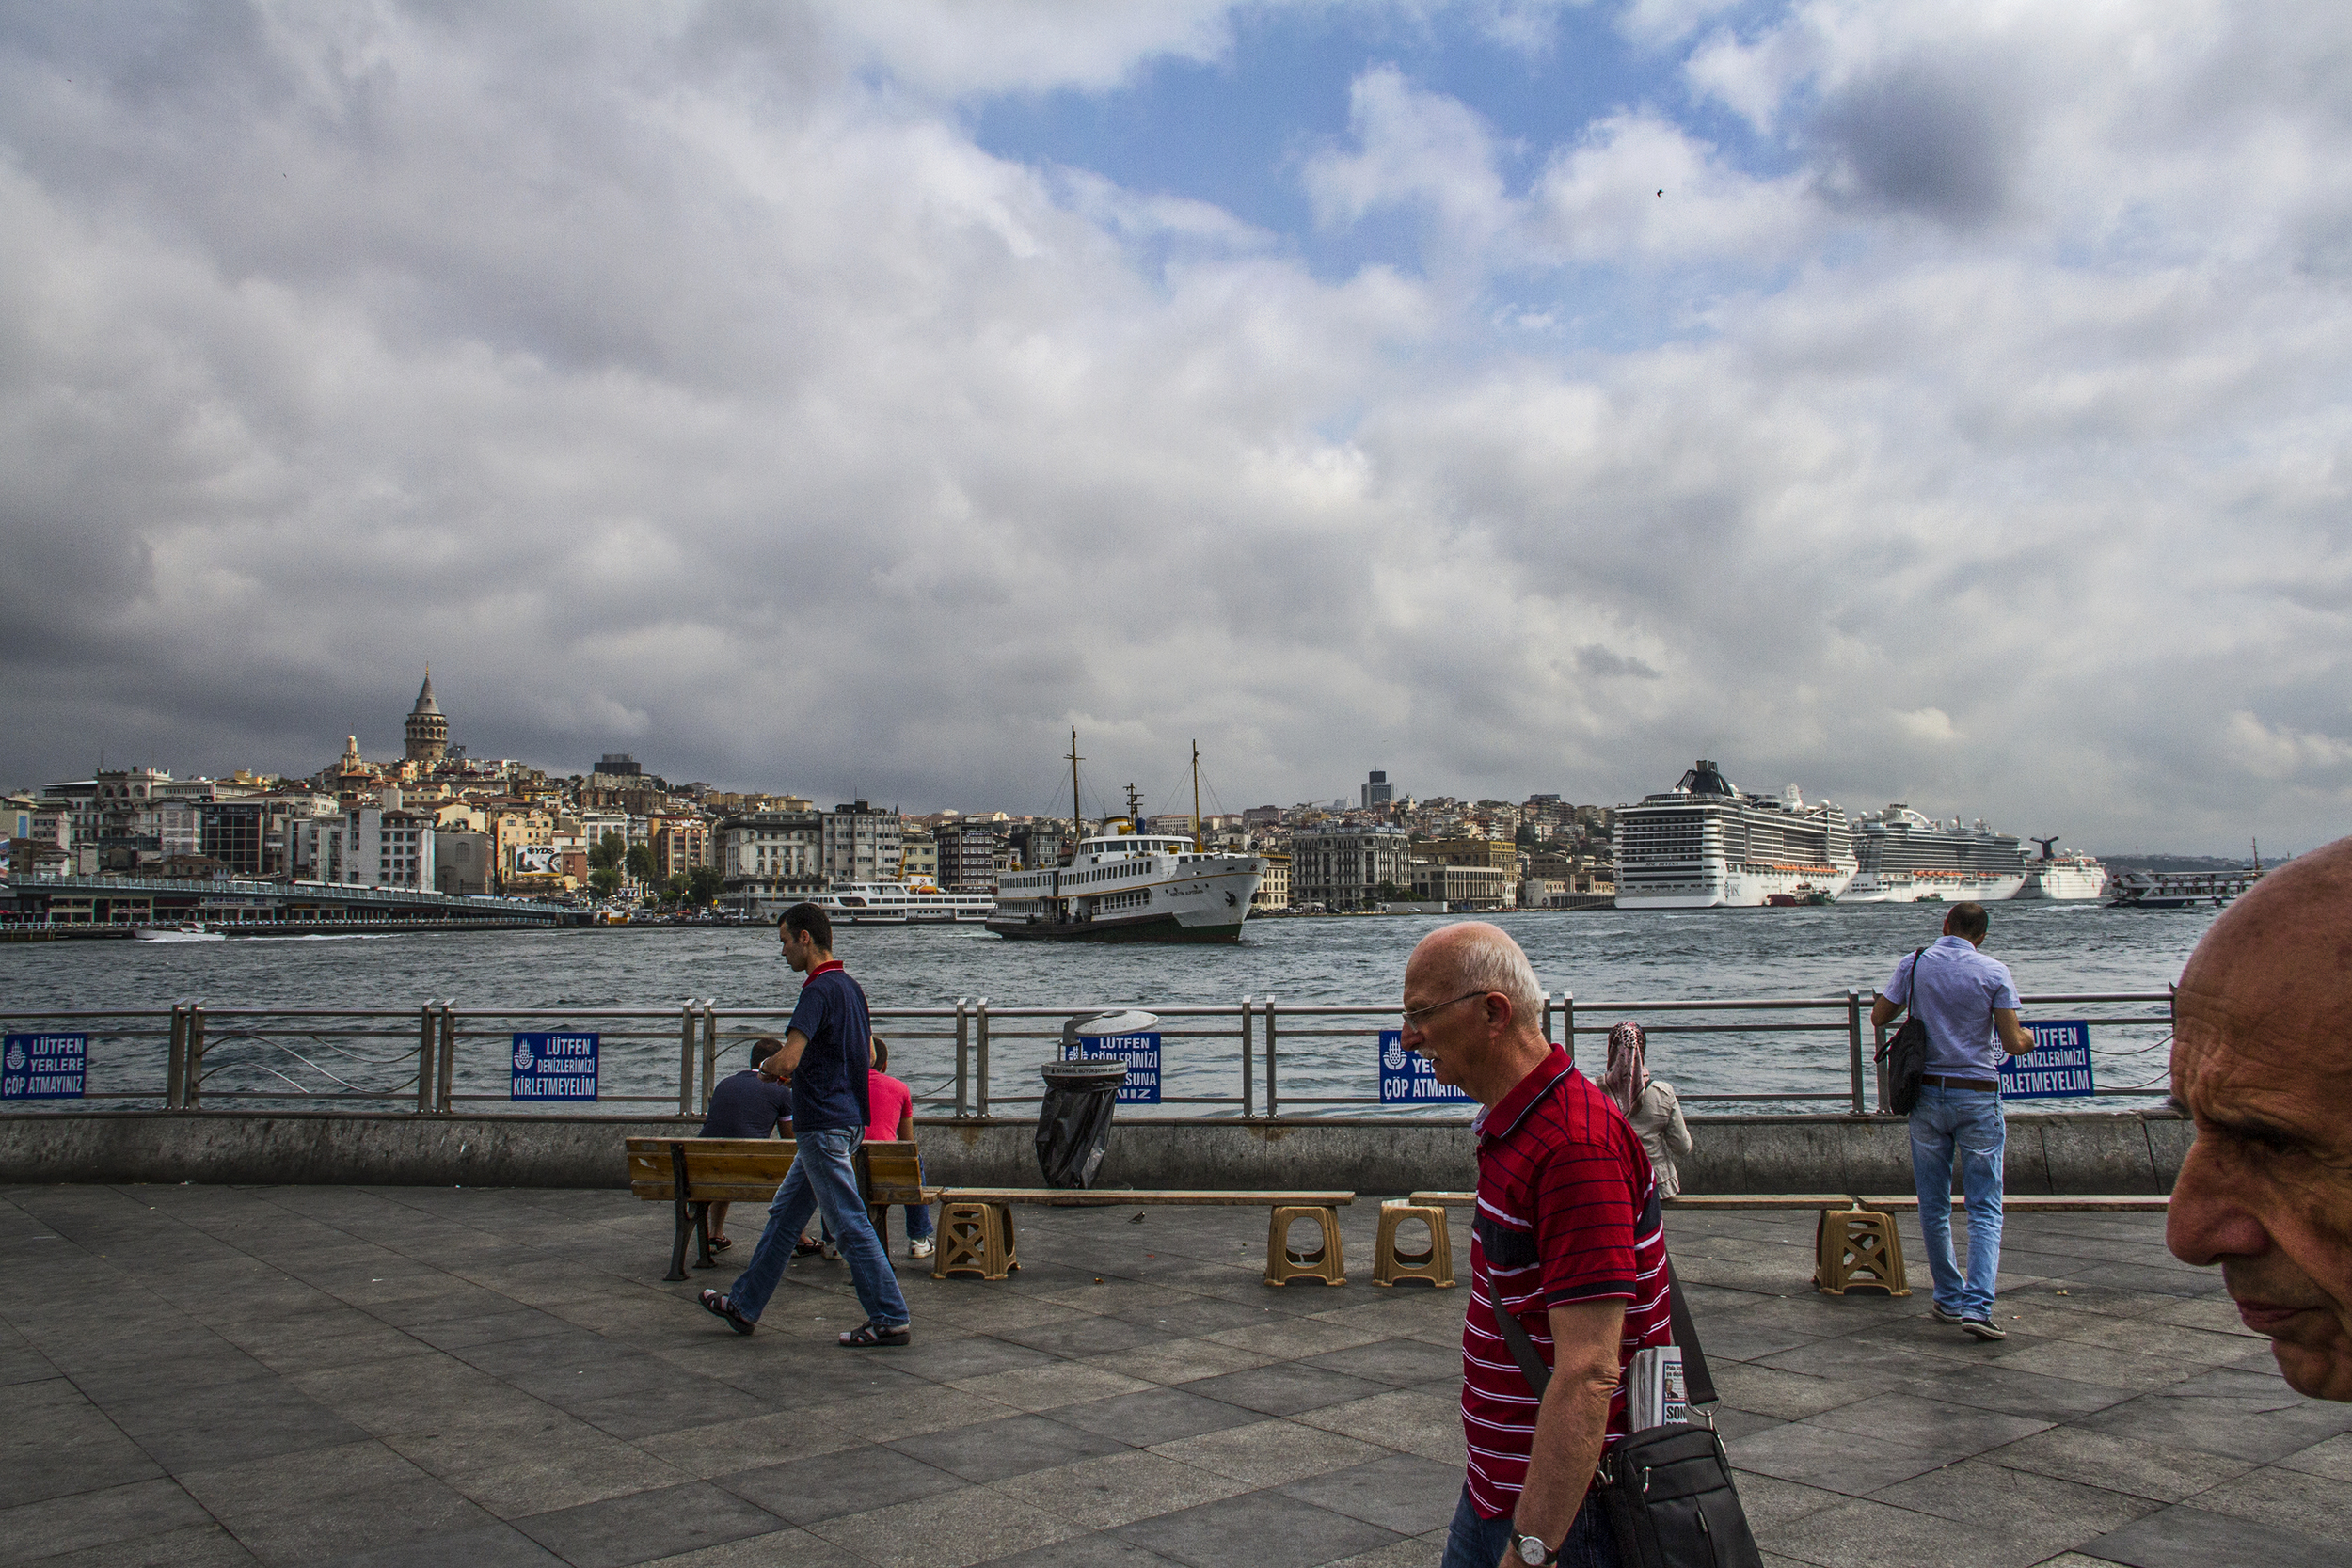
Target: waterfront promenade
(201,1375)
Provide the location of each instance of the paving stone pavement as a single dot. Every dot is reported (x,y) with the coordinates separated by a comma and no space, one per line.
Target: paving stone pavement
(201,1375)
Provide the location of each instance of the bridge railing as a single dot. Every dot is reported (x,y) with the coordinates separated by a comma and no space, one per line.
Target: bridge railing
(1257,1057)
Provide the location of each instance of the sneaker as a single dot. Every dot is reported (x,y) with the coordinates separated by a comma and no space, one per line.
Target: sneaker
(919,1247)
(718,1306)
(1944,1315)
(1984,1328)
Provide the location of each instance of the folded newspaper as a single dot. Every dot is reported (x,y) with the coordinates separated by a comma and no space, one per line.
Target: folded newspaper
(1654,1394)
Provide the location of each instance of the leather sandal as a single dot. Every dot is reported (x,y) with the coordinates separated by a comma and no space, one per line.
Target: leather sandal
(720,1307)
(867,1336)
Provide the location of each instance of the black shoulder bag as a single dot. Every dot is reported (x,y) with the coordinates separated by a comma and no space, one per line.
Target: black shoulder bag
(1667,1490)
(1905,1056)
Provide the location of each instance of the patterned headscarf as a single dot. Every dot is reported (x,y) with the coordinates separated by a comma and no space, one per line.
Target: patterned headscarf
(1628,1066)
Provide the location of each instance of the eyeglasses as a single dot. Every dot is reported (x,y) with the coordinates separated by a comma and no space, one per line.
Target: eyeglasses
(1411,1017)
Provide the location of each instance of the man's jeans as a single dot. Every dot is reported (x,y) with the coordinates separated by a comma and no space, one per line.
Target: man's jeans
(822,1178)
(1476,1543)
(1964,1124)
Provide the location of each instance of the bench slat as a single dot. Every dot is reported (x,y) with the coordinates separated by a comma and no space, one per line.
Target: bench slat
(2043,1203)
(1114,1199)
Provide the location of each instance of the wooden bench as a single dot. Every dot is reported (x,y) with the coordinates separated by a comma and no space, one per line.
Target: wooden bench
(2044,1203)
(695,1172)
(1851,1247)
(975,1230)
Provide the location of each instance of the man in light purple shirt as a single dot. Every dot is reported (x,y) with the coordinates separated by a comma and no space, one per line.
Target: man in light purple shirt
(1969,1003)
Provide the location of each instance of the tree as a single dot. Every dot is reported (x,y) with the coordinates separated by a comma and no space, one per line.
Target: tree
(641,864)
(674,890)
(606,879)
(607,852)
(702,884)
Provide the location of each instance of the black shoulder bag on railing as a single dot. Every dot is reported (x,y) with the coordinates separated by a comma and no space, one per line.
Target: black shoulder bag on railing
(1905,1056)
(1667,1490)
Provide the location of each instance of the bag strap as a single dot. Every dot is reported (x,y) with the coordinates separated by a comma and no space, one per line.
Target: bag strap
(1698,1385)
(1910,998)
(1522,1348)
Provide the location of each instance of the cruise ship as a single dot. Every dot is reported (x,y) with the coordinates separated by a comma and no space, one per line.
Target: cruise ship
(2071,875)
(1124,886)
(900,904)
(1705,843)
(1908,858)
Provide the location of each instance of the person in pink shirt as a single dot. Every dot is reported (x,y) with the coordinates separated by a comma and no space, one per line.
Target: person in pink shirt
(892,1104)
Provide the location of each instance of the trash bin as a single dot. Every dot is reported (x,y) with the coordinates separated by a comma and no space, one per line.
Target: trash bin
(1074,1126)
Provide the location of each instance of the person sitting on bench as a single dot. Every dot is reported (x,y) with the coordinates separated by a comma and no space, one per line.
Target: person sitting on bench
(893,1105)
(746,1105)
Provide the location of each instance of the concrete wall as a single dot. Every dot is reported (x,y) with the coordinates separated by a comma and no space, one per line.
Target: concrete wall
(2079,1152)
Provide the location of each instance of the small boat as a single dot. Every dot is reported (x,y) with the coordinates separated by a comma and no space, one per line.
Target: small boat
(1781,900)
(1816,897)
(193,931)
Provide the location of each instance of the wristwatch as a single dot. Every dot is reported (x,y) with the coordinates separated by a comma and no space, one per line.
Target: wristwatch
(1531,1550)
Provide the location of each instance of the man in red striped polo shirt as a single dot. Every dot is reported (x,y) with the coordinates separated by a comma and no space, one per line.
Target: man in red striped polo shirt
(1568,1237)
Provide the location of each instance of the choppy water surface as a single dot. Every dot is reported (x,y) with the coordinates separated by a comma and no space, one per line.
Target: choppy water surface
(1601,956)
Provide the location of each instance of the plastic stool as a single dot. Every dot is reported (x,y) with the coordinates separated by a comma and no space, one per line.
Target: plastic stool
(1389,1263)
(1283,1265)
(975,1238)
(1859,1249)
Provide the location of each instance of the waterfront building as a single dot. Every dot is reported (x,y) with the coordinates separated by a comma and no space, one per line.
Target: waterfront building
(680,845)
(862,843)
(1344,867)
(464,861)
(1274,887)
(427,728)
(1375,791)
(769,860)
(967,858)
(918,858)
(1499,854)
(1464,886)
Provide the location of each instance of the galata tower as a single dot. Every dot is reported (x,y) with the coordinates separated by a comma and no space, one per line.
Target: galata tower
(428,730)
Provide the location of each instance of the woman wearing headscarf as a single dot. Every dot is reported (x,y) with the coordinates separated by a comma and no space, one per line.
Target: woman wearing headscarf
(1648,1103)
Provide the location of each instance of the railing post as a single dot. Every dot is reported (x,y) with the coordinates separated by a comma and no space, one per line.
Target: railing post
(1878,1046)
(192,1077)
(1567,1024)
(176,1068)
(1273,1090)
(710,1052)
(428,1034)
(963,1059)
(1249,1068)
(1548,1040)
(1854,1046)
(446,1069)
(686,1059)
(979,1048)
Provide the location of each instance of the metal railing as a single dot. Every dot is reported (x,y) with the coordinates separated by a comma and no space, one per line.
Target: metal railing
(973,1060)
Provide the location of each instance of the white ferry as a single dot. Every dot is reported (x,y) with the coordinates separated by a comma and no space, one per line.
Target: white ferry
(2072,876)
(2180,890)
(1705,843)
(1125,886)
(900,904)
(1909,858)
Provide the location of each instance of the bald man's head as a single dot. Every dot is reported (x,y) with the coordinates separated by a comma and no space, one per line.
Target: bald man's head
(1473,1009)
(2261,1056)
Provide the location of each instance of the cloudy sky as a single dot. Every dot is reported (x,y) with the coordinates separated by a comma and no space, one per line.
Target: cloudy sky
(1946,403)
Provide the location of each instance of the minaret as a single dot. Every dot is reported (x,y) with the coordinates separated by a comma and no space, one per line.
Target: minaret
(428,730)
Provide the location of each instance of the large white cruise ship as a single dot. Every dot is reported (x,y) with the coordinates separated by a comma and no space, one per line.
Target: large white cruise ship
(1909,858)
(1129,887)
(2071,875)
(1705,843)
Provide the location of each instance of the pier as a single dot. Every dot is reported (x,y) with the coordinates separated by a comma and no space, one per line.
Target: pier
(48,908)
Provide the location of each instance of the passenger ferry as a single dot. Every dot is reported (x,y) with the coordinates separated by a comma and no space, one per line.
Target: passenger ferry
(2180,890)
(1125,886)
(1909,858)
(900,904)
(2072,876)
(1706,844)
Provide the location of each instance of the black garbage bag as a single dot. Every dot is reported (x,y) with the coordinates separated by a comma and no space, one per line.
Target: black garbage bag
(1074,1126)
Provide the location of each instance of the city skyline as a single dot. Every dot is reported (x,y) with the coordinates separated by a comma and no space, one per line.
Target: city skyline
(1910,402)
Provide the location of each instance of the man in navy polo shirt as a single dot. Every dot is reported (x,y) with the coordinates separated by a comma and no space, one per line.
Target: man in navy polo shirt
(1568,1239)
(1969,1003)
(827,1052)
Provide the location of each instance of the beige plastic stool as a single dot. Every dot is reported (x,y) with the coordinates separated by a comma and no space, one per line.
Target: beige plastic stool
(975,1238)
(1390,1263)
(1858,1248)
(1283,1265)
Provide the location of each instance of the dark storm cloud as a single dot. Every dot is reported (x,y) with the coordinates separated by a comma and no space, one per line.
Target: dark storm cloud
(1937,139)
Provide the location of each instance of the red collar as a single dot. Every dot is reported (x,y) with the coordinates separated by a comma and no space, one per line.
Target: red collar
(825,968)
(1508,1110)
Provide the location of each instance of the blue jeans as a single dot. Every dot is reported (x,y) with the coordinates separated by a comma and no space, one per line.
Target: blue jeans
(1967,1125)
(822,1178)
(1476,1543)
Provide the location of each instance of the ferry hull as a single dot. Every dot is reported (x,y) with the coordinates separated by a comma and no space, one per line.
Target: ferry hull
(1943,890)
(1157,929)
(2063,884)
(1741,889)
